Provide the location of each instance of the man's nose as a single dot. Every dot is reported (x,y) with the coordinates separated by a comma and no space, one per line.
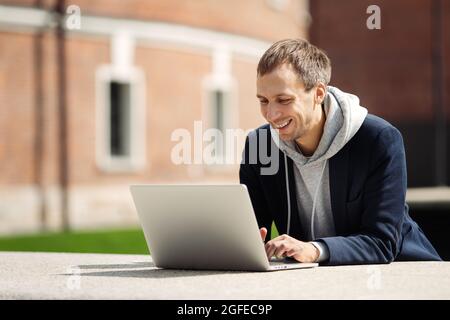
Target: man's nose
(273,113)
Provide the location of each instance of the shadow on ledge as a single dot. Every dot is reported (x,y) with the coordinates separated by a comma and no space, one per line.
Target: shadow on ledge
(145,270)
(133,265)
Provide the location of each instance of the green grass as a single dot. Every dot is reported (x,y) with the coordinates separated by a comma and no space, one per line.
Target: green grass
(130,241)
(110,241)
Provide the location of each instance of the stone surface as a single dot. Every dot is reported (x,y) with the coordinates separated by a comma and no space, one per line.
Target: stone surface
(107,276)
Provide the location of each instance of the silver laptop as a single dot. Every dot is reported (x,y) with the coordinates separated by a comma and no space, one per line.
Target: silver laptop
(205,227)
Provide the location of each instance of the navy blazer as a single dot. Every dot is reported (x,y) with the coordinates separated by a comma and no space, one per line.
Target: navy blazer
(368,184)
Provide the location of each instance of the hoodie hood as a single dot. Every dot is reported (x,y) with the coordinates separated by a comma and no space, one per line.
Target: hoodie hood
(344,117)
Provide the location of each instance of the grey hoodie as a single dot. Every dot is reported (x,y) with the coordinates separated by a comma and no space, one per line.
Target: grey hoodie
(344,117)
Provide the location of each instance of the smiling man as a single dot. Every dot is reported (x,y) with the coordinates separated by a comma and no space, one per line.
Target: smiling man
(338,196)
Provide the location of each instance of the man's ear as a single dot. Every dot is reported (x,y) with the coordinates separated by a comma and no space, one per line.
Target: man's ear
(320,93)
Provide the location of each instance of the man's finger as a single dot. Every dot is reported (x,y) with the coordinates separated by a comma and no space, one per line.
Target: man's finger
(271,246)
(281,249)
(263,232)
(281,238)
(270,249)
(290,253)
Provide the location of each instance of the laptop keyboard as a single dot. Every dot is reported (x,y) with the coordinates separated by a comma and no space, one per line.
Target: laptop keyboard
(278,261)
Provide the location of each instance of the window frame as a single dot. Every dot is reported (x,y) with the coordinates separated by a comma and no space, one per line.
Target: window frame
(136,160)
(229,87)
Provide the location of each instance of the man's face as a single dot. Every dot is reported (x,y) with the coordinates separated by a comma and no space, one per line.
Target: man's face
(285,104)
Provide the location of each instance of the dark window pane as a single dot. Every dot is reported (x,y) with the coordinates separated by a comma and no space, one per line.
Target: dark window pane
(218,110)
(218,97)
(119,118)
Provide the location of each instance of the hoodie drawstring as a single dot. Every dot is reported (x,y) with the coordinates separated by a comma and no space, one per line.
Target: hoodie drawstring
(288,195)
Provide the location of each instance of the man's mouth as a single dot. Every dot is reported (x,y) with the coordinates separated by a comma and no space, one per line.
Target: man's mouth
(282,125)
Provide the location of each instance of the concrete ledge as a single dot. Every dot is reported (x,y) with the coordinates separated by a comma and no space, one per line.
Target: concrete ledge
(432,197)
(105,276)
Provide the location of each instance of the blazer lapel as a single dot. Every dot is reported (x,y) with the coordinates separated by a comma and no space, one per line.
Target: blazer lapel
(338,188)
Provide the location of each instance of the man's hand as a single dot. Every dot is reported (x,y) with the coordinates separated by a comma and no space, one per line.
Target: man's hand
(286,246)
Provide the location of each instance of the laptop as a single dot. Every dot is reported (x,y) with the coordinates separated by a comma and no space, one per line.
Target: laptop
(204,227)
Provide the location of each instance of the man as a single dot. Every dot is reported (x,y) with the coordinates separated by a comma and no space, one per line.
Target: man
(338,196)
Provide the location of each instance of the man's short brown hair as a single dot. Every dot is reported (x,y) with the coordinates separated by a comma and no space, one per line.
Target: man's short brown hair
(311,63)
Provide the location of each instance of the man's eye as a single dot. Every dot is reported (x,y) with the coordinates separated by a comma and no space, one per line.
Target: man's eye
(263,101)
(285,101)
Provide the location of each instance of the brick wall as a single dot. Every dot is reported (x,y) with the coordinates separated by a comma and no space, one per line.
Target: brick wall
(29,184)
(16,111)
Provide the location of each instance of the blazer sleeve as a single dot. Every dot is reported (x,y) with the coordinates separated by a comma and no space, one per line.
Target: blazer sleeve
(249,176)
(383,207)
